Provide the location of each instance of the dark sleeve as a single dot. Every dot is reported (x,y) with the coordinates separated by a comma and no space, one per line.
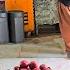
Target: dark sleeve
(65,2)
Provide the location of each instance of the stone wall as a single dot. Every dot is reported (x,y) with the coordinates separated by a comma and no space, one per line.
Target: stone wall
(46,11)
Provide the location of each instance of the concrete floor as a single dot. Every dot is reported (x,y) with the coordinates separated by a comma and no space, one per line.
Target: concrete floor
(54,63)
(48,49)
(41,46)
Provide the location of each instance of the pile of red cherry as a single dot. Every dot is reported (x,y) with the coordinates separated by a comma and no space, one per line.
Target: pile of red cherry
(33,65)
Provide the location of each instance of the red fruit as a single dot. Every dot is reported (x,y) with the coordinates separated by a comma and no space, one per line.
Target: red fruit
(44,67)
(16,68)
(33,65)
(24,64)
(49,68)
(36,69)
(23,69)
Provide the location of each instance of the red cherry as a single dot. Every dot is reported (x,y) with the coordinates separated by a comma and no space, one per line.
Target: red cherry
(23,69)
(33,64)
(49,68)
(24,64)
(36,69)
(44,67)
(16,68)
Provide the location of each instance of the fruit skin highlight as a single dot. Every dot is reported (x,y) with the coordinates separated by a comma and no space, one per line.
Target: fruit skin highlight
(33,65)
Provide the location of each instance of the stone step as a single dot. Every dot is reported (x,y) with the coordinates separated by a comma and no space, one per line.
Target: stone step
(26,50)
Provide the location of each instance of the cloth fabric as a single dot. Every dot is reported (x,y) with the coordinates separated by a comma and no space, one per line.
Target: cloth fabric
(64,16)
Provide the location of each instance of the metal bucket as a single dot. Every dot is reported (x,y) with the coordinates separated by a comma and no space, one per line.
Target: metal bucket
(16,31)
(4,38)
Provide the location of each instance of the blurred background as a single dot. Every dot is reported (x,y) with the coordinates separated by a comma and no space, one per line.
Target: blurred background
(44,41)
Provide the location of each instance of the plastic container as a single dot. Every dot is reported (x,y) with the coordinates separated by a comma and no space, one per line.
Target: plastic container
(16,30)
(4,37)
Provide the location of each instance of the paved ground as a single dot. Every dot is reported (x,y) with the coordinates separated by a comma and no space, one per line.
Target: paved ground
(39,46)
(48,49)
(54,63)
